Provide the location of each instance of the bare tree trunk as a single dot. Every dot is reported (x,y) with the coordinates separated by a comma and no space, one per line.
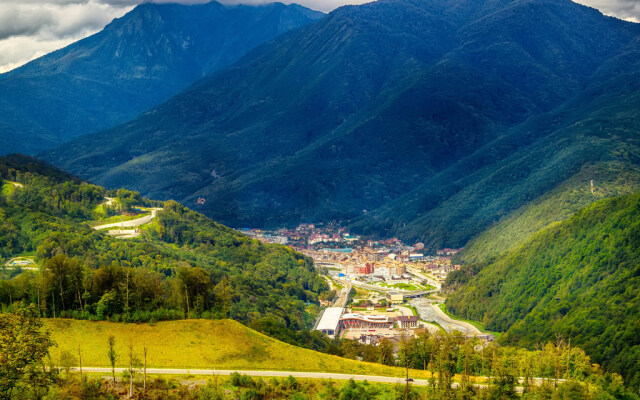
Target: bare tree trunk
(53,303)
(79,298)
(144,387)
(186,293)
(80,359)
(127,304)
(61,295)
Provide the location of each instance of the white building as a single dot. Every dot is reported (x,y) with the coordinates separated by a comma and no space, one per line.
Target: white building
(330,321)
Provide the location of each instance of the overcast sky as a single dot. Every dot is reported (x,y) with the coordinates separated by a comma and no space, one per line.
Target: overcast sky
(32,28)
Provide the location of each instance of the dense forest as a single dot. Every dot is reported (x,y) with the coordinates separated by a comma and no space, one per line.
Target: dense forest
(183,266)
(579,279)
(610,179)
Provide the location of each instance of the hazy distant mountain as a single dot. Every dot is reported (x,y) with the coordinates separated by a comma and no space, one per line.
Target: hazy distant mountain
(436,117)
(137,62)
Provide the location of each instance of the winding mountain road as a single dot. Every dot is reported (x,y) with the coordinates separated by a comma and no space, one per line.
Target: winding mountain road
(432,313)
(132,223)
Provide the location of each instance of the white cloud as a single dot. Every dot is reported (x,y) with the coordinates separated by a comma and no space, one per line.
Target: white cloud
(31,28)
(623,9)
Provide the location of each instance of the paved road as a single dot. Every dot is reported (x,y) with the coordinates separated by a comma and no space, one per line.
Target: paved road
(420,275)
(132,223)
(312,375)
(285,374)
(470,329)
(124,233)
(344,294)
(431,313)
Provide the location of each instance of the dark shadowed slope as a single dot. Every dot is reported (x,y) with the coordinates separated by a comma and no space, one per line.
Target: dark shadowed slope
(395,107)
(137,62)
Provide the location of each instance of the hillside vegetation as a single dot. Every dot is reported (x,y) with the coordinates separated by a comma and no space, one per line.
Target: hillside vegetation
(610,179)
(579,279)
(183,266)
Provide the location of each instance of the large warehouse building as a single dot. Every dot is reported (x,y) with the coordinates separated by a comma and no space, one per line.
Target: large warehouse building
(330,321)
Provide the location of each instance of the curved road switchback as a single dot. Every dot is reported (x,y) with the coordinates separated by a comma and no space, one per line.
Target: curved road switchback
(131,223)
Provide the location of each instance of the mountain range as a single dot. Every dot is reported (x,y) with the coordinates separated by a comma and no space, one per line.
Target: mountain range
(508,126)
(137,62)
(429,120)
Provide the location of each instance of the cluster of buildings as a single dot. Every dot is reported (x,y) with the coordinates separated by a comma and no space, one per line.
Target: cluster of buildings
(382,269)
(441,269)
(336,320)
(305,236)
(331,244)
(448,252)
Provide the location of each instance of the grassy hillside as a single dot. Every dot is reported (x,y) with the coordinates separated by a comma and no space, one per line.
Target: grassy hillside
(579,279)
(205,344)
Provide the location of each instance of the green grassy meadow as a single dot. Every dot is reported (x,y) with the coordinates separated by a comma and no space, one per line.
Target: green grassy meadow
(203,344)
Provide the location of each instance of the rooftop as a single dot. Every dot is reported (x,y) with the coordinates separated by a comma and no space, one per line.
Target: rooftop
(330,318)
(405,318)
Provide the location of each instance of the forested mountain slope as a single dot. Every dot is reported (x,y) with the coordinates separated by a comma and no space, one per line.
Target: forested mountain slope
(610,179)
(579,279)
(183,265)
(137,62)
(437,118)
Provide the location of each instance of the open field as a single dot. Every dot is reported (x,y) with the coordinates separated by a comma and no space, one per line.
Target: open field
(207,344)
